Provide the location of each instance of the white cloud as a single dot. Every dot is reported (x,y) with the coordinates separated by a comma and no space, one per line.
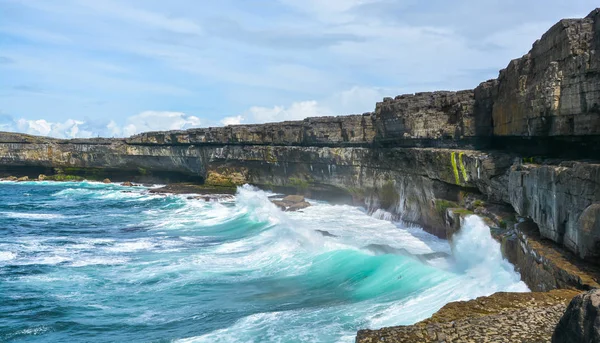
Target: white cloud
(159,121)
(296,111)
(232,120)
(70,128)
(67,129)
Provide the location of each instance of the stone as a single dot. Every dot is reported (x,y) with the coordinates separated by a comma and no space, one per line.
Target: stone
(23,178)
(127,184)
(11,178)
(106,181)
(298,206)
(282,205)
(587,235)
(581,321)
(41,177)
(292,199)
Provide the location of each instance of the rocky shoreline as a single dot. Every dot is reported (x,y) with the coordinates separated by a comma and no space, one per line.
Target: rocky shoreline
(522,151)
(501,317)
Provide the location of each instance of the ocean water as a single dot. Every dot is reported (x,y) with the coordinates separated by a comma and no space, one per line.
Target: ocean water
(89,262)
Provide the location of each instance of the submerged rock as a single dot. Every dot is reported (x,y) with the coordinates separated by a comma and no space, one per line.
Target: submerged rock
(291,203)
(326,233)
(581,321)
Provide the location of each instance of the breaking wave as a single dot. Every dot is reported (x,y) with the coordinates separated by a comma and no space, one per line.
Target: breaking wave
(118,264)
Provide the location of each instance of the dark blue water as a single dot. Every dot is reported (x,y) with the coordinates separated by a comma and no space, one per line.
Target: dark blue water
(89,262)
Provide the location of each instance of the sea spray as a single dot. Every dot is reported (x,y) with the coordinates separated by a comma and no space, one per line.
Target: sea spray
(479,255)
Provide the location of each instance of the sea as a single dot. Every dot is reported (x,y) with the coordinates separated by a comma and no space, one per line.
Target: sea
(94,262)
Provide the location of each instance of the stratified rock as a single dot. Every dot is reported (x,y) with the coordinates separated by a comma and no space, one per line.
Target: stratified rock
(554,90)
(560,199)
(23,178)
(430,115)
(581,321)
(106,181)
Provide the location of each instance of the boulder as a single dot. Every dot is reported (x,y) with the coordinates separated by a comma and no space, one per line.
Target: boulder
(279,204)
(10,178)
(127,184)
(106,181)
(298,206)
(581,321)
(23,178)
(292,199)
(41,177)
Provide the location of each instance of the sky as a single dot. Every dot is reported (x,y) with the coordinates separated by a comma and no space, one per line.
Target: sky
(114,68)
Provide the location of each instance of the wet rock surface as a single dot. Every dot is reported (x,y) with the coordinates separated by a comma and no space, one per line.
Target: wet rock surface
(292,203)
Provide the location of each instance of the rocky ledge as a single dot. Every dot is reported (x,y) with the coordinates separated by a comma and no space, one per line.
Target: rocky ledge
(502,317)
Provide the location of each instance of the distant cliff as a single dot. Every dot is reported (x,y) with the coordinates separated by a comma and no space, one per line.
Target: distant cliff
(524,145)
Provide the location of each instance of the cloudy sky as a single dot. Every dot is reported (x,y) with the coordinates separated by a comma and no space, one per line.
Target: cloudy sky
(81,68)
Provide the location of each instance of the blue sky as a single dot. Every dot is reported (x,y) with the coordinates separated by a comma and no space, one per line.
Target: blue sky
(80,68)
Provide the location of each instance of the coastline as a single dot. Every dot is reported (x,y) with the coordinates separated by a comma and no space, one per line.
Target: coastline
(521,151)
(502,316)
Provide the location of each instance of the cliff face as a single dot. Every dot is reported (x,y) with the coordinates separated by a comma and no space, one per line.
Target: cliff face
(517,142)
(554,90)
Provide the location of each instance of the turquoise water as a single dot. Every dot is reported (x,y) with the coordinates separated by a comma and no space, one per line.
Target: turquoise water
(89,262)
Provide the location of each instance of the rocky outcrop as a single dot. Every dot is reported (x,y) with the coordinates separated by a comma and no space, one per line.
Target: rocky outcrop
(554,90)
(563,199)
(292,203)
(581,321)
(502,317)
(437,117)
(543,264)
(328,131)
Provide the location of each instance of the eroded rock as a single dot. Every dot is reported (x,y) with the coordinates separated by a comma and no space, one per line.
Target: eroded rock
(581,321)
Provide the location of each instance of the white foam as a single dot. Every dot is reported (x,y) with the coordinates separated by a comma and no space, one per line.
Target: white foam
(36,216)
(94,261)
(7,255)
(131,246)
